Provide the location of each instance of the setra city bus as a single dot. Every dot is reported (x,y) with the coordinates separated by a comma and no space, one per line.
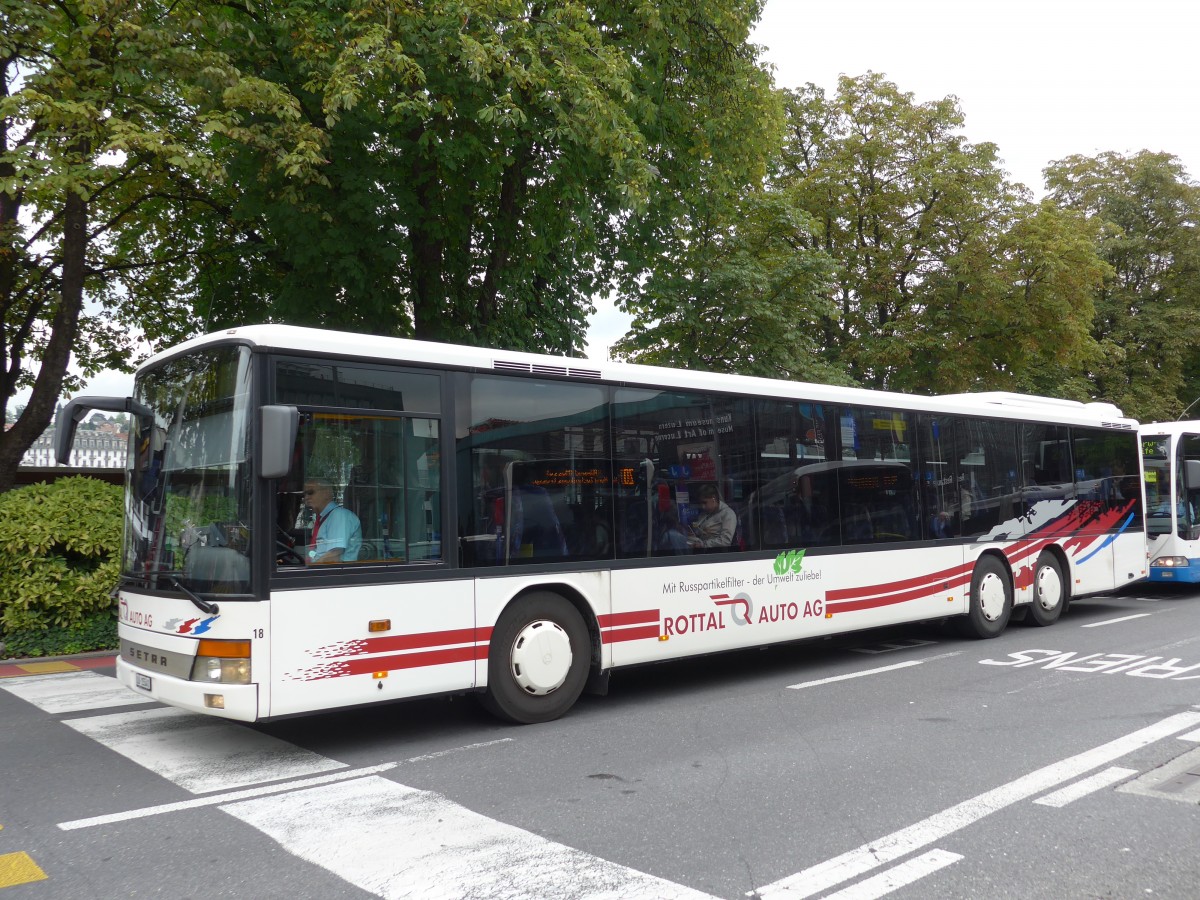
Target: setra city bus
(315,520)
(1171,468)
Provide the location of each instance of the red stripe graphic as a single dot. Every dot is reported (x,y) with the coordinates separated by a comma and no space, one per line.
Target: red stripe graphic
(1084,513)
(611,631)
(345,667)
(641,617)
(922,581)
(646,632)
(395,642)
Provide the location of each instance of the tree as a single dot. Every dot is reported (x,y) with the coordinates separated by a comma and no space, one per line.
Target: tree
(946,275)
(746,294)
(493,164)
(1146,211)
(112,117)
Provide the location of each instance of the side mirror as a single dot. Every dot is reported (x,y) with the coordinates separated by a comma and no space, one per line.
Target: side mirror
(73,413)
(1191,474)
(277,430)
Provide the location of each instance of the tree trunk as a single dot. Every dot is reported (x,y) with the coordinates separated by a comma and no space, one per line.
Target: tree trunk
(63,331)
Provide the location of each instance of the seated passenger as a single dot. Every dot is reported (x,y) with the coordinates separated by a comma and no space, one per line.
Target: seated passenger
(337,533)
(671,536)
(537,531)
(717,523)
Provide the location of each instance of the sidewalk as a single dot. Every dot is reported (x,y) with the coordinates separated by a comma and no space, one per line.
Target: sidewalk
(46,665)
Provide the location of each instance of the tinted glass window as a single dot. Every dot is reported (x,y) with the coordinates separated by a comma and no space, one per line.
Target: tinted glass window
(686,468)
(876,484)
(534,472)
(795,503)
(1046,469)
(356,387)
(365,489)
(941,502)
(987,472)
(1106,474)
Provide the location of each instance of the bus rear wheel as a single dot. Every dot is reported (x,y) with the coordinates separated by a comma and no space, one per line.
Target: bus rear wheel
(538,660)
(1049,591)
(991,600)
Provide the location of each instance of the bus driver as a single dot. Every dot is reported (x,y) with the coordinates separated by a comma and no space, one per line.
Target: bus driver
(337,533)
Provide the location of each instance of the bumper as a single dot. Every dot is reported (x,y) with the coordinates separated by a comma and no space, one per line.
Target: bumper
(241,700)
(1189,574)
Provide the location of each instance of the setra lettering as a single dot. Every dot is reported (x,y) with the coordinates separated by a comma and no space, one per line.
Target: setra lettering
(146,657)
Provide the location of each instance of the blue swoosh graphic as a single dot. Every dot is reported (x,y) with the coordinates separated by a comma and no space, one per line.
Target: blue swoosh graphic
(1111,538)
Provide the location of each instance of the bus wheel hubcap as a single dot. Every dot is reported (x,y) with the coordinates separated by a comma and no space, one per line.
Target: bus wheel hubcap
(991,597)
(1049,589)
(541,657)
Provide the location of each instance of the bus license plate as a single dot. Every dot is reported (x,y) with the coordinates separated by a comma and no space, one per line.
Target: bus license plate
(142,681)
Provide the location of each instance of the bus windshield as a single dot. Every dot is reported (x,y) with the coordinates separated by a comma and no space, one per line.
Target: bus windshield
(188,502)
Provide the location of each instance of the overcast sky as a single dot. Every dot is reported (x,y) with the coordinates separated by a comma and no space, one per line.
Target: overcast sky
(1041,80)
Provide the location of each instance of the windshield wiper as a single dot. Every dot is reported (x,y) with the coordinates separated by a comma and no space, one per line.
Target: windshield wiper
(199,602)
(173,578)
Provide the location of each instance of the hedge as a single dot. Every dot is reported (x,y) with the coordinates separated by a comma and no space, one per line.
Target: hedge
(59,561)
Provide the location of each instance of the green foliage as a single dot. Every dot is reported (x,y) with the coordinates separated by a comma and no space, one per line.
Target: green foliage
(59,554)
(946,277)
(744,294)
(116,120)
(491,165)
(1145,211)
(96,631)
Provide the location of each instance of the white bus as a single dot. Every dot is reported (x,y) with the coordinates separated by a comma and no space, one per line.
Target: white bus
(520,525)
(1171,467)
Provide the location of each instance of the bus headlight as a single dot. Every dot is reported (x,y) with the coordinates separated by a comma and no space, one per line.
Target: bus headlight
(1171,562)
(222,662)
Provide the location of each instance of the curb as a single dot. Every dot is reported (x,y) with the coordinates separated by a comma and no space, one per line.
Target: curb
(48,665)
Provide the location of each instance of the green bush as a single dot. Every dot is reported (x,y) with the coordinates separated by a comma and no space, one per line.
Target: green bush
(59,560)
(97,631)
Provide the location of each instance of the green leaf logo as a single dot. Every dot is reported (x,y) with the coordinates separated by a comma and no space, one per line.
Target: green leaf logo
(789,561)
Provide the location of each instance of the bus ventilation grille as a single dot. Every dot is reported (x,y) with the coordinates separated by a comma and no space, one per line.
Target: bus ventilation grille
(540,369)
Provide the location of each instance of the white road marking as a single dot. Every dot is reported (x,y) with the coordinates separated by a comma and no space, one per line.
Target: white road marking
(1089,785)
(904,665)
(908,840)
(1193,736)
(225,797)
(865,672)
(900,876)
(399,842)
(231,796)
(1115,621)
(200,753)
(72,692)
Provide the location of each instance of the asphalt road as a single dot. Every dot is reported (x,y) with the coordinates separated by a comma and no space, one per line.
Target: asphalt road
(1047,763)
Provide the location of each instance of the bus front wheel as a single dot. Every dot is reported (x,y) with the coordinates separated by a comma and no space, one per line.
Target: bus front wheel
(537,661)
(991,600)
(1049,591)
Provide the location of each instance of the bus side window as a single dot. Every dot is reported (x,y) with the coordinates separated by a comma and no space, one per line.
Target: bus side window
(383,470)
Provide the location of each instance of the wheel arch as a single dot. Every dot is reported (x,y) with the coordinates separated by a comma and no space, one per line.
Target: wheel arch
(1064,563)
(575,597)
(997,554)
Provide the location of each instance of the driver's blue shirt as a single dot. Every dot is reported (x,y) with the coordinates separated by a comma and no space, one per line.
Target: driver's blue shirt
(339,530)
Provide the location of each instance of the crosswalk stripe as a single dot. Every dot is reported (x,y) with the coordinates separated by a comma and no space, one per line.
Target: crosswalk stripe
(389,839)
(73,691)
(399,842)
(200,753)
